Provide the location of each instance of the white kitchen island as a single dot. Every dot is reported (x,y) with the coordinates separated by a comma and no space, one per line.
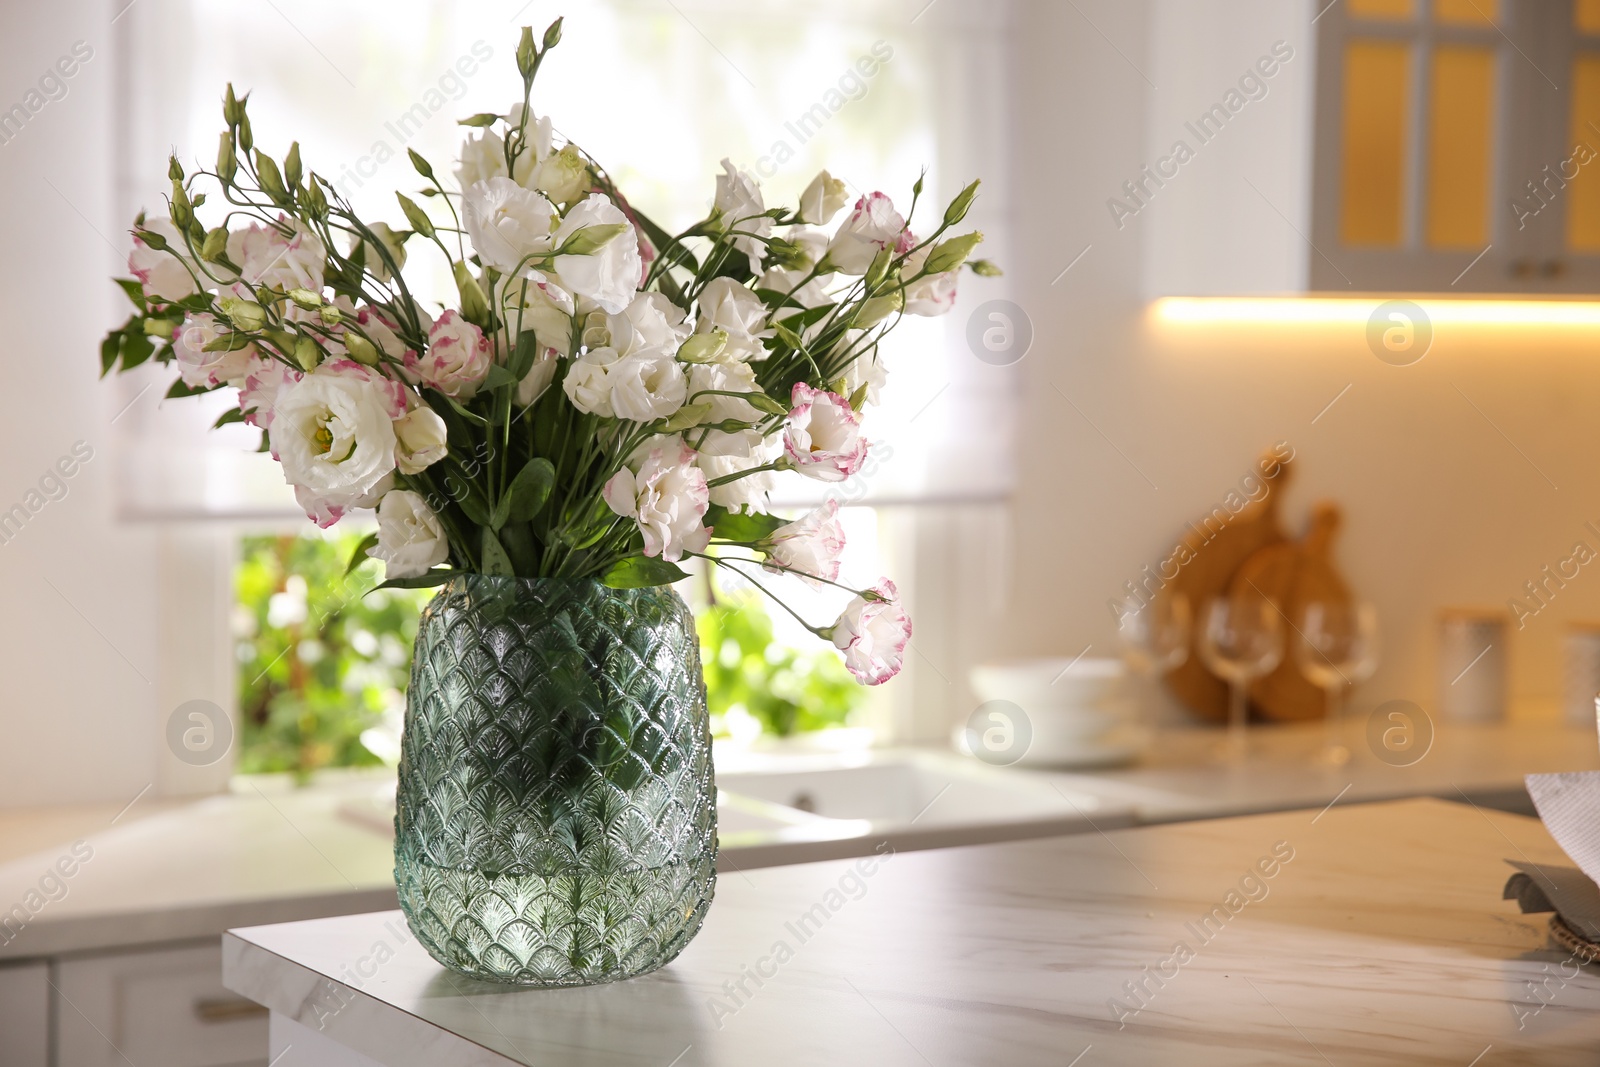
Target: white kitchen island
(1356,934)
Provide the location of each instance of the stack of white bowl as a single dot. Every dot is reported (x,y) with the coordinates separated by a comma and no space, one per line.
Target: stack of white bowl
(1078,713)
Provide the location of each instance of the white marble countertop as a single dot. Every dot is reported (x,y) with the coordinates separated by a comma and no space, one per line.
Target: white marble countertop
(1360,934)
(165,871)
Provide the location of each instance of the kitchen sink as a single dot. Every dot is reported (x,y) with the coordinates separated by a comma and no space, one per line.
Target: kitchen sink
(775,808)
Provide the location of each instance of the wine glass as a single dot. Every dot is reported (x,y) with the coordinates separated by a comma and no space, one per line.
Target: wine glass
(1155,634)
(1242,640)
(1155,639)
(1337,647)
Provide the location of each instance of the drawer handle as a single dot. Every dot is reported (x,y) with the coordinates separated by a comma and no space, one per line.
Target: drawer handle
(227,1009)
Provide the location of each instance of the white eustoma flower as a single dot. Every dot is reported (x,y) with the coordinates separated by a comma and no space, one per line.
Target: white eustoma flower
(333,432)
(199,368)
(811,546)
(267,257)
(421,439)
(871,226)
(411,540)
(563,176)
(748,493)
(545,308)
(822,199)
(483,156)
(507,224)
(163,274)
(651,322)
(646,385)
(867,369)
(739,200)
(539,377)
(667,496)
(873,634)
(588,385)
(793,283)
(611,274)
(728,306)
(822,439)
(709,381)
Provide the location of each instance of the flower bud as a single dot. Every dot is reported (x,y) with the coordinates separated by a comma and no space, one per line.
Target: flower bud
(415,215)
(227,162)
(423,167)
(877,309)
(330,315)
(361,350)
(959,206)
(552,35)
(948,255)
(160,328)
(590,239)
(232,111)
(474,305)
(174,169)
(307,354)
(271,180)
(244,314)
(215,245)
(984,268)
(704,347)
(291,165)
(247,140)
(526,53)
(306,298)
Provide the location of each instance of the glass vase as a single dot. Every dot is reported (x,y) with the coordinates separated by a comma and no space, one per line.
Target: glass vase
(556,820)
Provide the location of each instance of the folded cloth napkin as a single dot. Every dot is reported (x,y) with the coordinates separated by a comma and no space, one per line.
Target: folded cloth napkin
(1569,805)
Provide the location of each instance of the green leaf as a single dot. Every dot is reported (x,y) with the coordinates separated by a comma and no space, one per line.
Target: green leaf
(135,293)
(421,581)
(108,351)
(665,242)
(499,376)
(529,490)
(642,572)
(231,415)
(523,357)
(359,556)
(136,348)
(474,508)
(733,526)
(179,390)
(496,563)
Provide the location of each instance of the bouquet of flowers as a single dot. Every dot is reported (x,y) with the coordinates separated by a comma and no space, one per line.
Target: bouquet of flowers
(603,400)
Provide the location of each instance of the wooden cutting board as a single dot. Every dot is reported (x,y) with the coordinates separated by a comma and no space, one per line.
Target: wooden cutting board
(1293,575)
(1213,552)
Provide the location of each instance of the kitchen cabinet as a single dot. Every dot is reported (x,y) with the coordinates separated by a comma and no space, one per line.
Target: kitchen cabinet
(25,1015)
(1442,146)
(164,1006)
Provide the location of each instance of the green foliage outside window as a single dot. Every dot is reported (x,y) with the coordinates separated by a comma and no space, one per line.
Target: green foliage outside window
(324,661)
(785,690)
(321,657)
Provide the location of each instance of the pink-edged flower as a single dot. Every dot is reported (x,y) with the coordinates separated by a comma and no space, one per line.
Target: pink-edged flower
(162,273)
(873,632)
(264,378)
(668,498)
(933,295)
(809,546)
(871,226)
(266,257)
(822,439)
(200,368)
(421,439)
(458,357)
(396,399)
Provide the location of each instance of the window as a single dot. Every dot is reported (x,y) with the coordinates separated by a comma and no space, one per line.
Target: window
(1453,143)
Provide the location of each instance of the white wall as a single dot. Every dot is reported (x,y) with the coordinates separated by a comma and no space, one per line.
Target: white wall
(1446,504)
(84,696)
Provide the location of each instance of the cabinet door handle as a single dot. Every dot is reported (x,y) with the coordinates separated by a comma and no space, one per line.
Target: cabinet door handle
(226,1009)
(1555,268)
(1522,268)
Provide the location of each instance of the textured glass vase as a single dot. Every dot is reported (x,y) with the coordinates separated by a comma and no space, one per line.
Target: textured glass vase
(556,822)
